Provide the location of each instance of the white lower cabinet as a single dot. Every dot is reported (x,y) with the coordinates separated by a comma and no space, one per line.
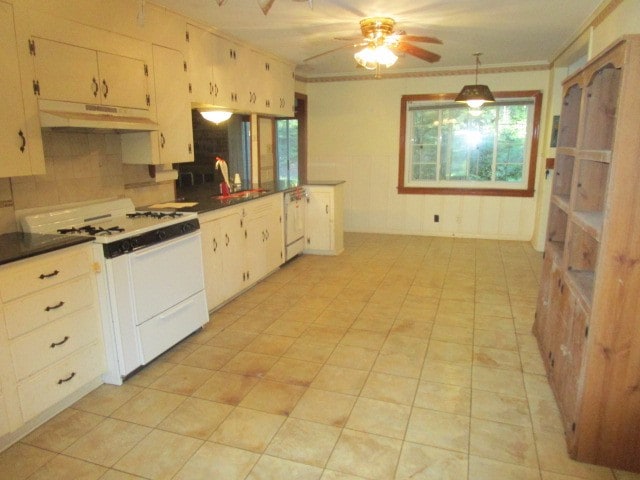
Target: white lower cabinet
(51,348)
(324,219)
(240,245)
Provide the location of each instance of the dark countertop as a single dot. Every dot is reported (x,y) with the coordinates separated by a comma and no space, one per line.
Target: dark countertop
(18,246)
(208,200)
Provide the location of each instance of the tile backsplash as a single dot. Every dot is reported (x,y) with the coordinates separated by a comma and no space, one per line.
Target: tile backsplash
(80,167)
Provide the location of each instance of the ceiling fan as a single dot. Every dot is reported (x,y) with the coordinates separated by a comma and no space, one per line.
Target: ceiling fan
(380,39)
(265,5)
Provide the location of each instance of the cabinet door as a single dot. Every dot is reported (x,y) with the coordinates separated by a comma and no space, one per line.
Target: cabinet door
(173,107)
(318,221)
(283,97)
(256,245)
(212,262)
(233,234)
(123,81)
(66,72)
(229,79)
(275,235)
(201,57)
(15,143)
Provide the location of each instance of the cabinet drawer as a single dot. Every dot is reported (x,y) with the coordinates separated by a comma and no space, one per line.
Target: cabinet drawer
(33,311)
(26,277)
(51,343)
(60,380)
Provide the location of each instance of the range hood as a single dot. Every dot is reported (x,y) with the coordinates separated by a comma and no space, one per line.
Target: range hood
(79,116)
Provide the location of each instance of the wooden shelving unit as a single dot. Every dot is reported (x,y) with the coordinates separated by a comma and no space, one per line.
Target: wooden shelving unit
(588,314)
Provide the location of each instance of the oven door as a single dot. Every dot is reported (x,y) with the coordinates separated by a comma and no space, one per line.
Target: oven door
(165,274)
(156,298)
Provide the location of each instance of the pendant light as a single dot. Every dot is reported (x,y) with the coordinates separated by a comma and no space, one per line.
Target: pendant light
(475,95)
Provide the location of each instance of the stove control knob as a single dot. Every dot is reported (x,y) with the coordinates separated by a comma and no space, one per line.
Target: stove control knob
(125,246)
(161,235)
(134,243)
(187,227)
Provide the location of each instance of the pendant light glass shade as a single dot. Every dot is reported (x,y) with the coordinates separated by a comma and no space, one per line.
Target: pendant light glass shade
(475,95)
(216,116)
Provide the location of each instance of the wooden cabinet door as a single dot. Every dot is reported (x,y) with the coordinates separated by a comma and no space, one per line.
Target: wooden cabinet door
(173,107)
(66,72)
(201,58)
(15,142)
(123,81)
(212,262)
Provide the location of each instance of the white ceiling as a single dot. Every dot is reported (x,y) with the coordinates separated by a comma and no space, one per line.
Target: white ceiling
(507,32)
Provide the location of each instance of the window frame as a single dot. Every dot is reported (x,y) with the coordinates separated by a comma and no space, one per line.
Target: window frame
(536,95)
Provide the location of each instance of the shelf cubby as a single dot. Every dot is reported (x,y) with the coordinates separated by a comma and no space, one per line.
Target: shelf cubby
(563,175)
(591,186)
(600,109)
(582,249)
(568,128)
(557,228)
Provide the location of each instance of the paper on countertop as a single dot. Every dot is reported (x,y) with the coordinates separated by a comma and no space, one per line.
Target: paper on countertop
(174,205)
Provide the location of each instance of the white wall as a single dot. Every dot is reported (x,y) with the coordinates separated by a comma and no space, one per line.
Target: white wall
(624,19)
(354,136)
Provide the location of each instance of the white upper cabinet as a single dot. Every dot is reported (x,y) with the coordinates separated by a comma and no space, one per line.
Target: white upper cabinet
(76,74)
(21,146)
(201,46)
(175,136)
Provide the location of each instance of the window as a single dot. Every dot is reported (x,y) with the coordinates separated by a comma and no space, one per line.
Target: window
(447,148)
(287,150)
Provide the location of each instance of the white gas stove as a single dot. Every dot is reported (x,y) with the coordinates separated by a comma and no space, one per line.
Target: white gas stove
(151,282)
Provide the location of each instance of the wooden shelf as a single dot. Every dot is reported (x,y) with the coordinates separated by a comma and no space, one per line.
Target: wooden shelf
(571,151)
(590,222)
(562,201)
(603,156)
(582,282)
(586,317)
(555,249)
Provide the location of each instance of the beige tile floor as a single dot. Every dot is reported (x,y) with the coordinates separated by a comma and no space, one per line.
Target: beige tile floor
(404,357)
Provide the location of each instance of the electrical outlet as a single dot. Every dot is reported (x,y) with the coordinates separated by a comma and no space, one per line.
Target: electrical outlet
(436,218)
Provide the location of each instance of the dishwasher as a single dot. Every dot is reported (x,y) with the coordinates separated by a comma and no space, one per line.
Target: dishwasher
(294,217)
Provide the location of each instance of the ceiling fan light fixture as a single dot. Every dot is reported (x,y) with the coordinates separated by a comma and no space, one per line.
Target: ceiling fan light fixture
(216,116)
(475,95)
(371,57)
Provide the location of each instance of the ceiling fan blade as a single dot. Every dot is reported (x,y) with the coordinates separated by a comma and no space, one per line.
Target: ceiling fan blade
(328,52)
(418,52)
(265,5)
(419,38)
(220,2)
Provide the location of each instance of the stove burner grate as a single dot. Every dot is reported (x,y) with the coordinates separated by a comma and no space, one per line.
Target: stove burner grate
(91,230)
(154,214)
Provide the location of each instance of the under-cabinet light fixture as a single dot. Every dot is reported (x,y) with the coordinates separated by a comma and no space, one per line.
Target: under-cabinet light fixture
(216,116)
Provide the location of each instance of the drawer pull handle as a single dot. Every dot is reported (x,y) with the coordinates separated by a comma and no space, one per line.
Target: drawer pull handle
(48,275)
(63,380)
(61,342)
(48,309)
